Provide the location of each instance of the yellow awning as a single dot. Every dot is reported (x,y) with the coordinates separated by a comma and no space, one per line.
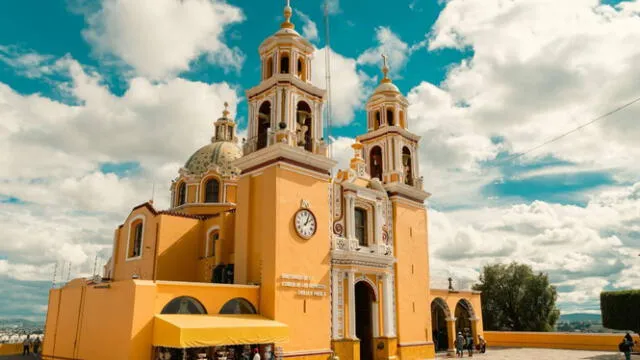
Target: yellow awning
(187,331)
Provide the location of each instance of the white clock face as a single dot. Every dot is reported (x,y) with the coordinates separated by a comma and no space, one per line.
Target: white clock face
(305,223)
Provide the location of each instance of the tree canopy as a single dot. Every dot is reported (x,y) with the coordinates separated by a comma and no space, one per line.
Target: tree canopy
(621,310)
(514,298)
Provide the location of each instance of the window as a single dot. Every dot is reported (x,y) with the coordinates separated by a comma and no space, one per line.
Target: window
(304,129)
(284,63)
(375,161)
(135,239)
(238,306)
(184,305)
(264,123)
(182,194)
(406,163)
(361,226)
(301,70)
(211,243)
(390,117)
(378,120)
(212,191)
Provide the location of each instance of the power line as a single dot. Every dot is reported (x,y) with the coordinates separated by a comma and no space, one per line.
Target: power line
(554,139)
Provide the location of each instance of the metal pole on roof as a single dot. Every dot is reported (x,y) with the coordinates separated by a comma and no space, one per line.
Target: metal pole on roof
(327,60)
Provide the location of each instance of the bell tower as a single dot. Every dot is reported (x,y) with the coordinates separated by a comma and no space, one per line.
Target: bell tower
(391,155)
(281,232)
(285,107)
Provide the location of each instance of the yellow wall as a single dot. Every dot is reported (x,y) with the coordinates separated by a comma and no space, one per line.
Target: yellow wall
(10,349)
(123,268)
(267,203)
(574,341)
(412,275)
(120,318)
(180,241)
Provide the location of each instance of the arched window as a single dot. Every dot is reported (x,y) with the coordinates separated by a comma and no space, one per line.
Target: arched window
(304,128)
(406,163)
(375,160)
(390,117)
(182,194)
(212,191)
(360,224)
(184,305)
(378,120)
(136,231)
(268,71)
(284,63)
(301,69)
(238,306)
(212,240)
(264,123)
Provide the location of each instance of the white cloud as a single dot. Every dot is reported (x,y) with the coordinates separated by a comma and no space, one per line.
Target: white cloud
(29,64)
(309,27)
(390,44)
(69,208)
(332,6)
(160,38)
(348,85)
(583,249)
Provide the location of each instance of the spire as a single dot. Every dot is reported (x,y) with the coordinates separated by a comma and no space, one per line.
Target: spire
(385,70)
(287,24)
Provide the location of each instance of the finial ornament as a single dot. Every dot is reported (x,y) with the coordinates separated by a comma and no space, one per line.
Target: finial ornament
(385,69)
(225,112)
(287,17)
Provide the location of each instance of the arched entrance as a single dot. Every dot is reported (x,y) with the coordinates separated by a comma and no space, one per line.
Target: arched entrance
(439,314)
(464,314)
(365,298)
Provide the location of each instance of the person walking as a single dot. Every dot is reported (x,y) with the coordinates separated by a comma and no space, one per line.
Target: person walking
(36,345)
(25,346)
(460,345)
(627,346)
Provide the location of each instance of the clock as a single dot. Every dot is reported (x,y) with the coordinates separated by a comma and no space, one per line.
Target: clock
(305,223)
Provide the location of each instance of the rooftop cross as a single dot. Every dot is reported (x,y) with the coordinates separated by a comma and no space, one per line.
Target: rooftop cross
(385,68)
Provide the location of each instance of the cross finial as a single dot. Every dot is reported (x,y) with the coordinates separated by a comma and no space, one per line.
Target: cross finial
(385,68)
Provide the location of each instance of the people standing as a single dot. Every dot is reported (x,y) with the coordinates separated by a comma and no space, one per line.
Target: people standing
(25,346)
(256,354)
(470,343)
(460,345)
(36,345)
(627,346)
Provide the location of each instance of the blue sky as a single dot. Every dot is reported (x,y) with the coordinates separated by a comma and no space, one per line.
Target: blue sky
(100,107)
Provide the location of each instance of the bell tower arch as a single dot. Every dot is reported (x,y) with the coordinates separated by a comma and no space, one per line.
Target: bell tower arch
(296,111)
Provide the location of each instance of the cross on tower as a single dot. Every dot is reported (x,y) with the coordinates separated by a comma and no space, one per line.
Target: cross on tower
(385,68)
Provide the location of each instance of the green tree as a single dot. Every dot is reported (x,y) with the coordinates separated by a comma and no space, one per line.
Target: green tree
(621,310)
(514,298)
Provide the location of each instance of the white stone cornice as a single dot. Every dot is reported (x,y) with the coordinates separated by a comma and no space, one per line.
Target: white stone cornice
(407,191)
(284,151)
(389,129)
(283,78)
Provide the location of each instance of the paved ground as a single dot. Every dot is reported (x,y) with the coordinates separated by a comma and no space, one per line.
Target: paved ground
(548,354)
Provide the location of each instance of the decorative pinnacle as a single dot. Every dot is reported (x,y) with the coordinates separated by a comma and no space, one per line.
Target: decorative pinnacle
(287,17)
(225,112)
(385,69)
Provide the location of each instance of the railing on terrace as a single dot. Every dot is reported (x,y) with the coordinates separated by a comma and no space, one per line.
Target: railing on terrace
(451,283)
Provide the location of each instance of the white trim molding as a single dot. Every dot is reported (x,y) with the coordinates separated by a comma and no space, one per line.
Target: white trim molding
(131,221)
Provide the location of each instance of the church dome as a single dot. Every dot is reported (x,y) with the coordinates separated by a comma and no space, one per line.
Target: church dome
(220,153)
(386,87)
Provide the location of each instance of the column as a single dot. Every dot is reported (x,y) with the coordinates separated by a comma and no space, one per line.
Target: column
(335,282)
(352,303)
(350,216)
(451,334)
(387,306)
(378,222)
(474,329)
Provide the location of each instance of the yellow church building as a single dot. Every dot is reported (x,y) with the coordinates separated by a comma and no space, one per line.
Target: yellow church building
(263,248)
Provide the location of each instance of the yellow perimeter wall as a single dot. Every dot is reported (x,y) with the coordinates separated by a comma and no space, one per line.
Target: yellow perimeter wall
(573,341)
(120,318)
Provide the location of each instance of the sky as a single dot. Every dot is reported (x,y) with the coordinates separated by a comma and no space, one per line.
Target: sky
(102,101)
